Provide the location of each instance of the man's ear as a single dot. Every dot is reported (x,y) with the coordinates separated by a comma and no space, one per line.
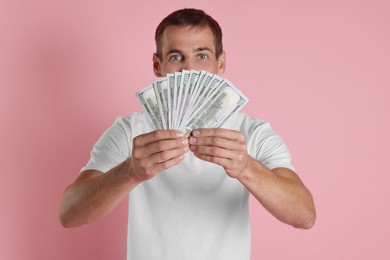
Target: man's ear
(221,63)
(156,66)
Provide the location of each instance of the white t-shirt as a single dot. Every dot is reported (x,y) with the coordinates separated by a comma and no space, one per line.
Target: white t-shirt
(193,210)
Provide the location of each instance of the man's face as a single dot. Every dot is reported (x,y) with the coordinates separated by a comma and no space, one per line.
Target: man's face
(186,48)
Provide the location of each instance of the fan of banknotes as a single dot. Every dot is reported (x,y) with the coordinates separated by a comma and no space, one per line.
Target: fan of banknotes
(190,99)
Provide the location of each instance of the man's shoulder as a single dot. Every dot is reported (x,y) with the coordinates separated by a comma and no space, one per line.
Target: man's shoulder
(132,124)
(132,120)
(243,122)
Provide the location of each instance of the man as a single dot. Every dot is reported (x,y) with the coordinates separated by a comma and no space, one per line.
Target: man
(188,197)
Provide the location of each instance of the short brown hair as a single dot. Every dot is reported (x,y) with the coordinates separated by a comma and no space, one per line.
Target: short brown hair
(190,17)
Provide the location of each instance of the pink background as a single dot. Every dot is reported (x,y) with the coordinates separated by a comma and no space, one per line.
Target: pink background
(319,71)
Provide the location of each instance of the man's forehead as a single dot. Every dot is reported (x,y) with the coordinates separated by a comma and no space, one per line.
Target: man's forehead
(197,37)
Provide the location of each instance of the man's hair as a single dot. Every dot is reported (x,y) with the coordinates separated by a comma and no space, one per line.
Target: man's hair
(193,18)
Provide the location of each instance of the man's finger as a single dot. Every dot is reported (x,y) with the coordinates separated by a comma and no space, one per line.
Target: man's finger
(161,146)
(218,142)
(157,135)
(220,132)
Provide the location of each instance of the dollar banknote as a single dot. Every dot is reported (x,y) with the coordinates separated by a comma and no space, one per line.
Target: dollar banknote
(147,98)
(190,99)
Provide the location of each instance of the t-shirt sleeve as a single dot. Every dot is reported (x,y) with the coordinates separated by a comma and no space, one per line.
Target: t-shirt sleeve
(270,149)
(111,149)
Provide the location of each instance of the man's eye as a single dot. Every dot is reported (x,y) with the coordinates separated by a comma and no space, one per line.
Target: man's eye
(203,56)
(175,58)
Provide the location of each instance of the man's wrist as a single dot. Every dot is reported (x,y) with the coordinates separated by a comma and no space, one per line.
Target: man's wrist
(126,173)
(252,171)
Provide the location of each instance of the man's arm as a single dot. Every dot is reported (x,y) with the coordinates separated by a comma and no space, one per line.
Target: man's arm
(279,190)
(94,194)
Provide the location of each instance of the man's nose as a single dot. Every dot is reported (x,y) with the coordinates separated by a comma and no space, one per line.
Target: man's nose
(188,65)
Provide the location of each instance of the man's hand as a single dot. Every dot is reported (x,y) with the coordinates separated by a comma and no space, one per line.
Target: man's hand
(156,151)
(226,148)
(280,191)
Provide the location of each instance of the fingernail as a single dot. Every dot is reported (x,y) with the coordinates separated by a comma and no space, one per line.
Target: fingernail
(195,133)
(192,140)
(179,134)
(185,141)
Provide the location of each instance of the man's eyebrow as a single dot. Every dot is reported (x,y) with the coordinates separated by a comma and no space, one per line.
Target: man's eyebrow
(174,51)
(194,50)
(202,49)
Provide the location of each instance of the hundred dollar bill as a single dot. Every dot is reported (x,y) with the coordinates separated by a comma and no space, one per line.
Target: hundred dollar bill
(161,91)
(226,101)
(199,83)
(171,85)
(211,83)
(148,100)
(195,92)
(176,97)
(182,96)
(202,89)
(193,78)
